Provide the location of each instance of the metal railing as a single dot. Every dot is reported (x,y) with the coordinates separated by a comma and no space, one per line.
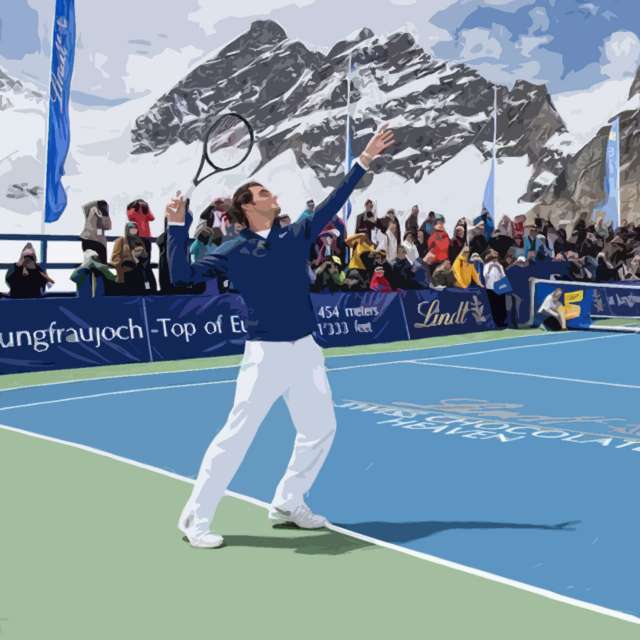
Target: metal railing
(44,240)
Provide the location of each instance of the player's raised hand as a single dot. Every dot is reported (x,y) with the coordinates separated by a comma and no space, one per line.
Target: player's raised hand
(175,210)
(378,144)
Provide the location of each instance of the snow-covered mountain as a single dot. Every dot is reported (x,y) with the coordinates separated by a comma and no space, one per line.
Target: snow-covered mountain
(580,186)
(295,97)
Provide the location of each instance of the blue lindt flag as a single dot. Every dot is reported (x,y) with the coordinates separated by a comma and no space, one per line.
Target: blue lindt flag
(62,54)
(611,203)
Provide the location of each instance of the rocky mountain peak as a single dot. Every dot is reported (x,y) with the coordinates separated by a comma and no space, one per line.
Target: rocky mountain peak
(295,99)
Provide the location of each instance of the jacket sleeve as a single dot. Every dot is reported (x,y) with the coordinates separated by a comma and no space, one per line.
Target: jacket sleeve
(325,212)
(181,272)
(475,277)
(116,255)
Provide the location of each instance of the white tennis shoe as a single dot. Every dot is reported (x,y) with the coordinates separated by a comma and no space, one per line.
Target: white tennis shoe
(301,516)
(197,538)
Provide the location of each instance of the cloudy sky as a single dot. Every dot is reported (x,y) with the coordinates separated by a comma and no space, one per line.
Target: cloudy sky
(129,48)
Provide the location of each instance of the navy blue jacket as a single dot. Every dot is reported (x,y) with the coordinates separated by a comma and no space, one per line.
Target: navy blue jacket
(270,273)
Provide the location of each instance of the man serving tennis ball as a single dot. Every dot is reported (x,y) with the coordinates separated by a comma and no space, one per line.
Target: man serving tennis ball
(280,355)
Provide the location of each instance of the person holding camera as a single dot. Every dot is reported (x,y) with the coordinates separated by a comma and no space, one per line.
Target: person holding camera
(26,278)
(130,259)
(96,223)
(367,221)
(138,212)
(206,241)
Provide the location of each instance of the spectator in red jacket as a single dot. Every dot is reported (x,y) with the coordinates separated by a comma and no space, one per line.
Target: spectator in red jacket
(138,211)
(379,281)
(439,242)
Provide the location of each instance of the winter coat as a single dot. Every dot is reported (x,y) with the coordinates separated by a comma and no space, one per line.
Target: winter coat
(95,223)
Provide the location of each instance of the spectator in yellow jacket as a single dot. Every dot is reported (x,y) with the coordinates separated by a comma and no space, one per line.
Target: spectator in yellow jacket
(359,244)
(463,271)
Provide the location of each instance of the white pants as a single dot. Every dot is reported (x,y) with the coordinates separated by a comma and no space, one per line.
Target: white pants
(269,370)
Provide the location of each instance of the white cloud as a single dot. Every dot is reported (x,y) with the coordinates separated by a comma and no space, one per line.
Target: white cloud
(210,12)
(478,43)
(621,55)
(527,44)
(539,20)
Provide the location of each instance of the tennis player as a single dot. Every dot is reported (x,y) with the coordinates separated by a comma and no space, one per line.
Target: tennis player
(280,356)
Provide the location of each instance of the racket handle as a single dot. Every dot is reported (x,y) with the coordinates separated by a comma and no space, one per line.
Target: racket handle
(189,192)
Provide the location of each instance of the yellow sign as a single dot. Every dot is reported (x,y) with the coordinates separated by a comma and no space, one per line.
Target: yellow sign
(571,309)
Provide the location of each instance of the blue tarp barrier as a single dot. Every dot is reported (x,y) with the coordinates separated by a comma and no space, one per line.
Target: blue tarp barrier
(63,333)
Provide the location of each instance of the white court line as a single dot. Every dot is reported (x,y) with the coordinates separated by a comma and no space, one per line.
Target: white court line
(123,392)
(547,336)
(527,375)
(523,586)
(524,346)
(329,369)
(472,353)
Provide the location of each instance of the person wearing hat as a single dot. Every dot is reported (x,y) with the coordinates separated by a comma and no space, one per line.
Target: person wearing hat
(139,212)
(127,251)
(493,273)
(26,278)
(464,272)
(96,223)
(325,247)
(379,281)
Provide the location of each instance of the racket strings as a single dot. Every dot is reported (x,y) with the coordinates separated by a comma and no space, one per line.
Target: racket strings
(228,142)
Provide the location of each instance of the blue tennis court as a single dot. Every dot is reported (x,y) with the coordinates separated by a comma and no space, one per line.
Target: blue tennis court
(516,457)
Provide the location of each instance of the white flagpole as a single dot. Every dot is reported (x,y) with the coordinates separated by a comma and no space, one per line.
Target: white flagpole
(347,141)
(494,213)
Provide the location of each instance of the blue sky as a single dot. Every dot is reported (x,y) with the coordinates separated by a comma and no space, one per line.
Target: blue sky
(574,42)
(18,29)
(128,48)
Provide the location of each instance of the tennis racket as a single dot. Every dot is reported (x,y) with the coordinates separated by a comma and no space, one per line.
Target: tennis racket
(227,145)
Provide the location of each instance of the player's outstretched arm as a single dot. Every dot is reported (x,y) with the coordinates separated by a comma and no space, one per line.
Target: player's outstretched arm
(180,271)
(378,144)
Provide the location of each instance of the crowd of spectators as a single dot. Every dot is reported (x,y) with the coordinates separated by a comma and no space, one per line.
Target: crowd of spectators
(382,254)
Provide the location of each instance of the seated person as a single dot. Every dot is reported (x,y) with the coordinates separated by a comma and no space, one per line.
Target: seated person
(552,312)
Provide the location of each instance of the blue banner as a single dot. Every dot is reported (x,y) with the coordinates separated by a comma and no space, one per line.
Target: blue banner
(437,313)
(39,335)
(66,333)
(616,302)
(58,137)
(345,319)
(195,326)
(611,203)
